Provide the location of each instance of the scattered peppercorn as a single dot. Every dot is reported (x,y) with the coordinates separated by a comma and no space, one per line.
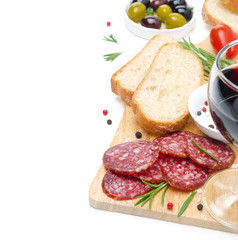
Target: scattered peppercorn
(204,109)
(170,205)
(138,135)
(109,121)
(108,24)
(200,207)
(198,113)
(211,126)
(105,112)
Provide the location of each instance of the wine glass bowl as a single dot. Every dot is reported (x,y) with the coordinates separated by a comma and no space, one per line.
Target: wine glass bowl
(220,193)
(223,95)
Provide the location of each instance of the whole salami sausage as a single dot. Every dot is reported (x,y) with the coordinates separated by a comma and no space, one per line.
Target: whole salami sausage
(183,173)
(120,187)
(172,144)
(131,157)
(219,150)
(152,175)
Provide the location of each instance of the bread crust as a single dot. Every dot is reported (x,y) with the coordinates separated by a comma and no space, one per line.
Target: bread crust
(165,126)
(232,5)
(212,20)
(117,87)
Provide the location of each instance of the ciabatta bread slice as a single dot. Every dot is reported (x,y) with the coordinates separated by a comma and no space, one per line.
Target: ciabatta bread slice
(126,79)
(215,12)
(160,101)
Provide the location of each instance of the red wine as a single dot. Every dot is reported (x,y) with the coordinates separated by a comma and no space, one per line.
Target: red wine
(223,102)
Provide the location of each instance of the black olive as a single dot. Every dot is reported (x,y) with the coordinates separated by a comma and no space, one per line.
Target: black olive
(145,2)
(151,22)
(185,11)
(174,3)
(156,3)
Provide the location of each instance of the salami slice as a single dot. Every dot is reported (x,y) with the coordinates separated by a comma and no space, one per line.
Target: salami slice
(152,175)
(172,144)
(219,150)
(120,187)
(131,157)
(183,173)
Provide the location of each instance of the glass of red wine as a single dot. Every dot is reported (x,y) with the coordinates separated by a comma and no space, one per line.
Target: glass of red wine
(220,194)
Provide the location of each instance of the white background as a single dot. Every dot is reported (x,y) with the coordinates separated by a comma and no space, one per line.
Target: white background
(54,85)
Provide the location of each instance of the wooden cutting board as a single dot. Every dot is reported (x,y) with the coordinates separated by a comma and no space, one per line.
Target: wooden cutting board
(126,132)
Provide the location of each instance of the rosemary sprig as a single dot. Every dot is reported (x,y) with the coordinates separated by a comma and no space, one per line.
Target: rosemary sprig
(111,56)
(163,194)
(184,206)
(204,151)
(150,195)
(111,38)
(206,57)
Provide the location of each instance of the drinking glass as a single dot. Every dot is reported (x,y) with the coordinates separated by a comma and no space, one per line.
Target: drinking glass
(220,194)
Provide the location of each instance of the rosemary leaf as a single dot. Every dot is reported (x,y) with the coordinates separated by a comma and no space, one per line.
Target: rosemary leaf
(149,11)
(111,38)
(184,206)
(206,57)
(163,194)
(150,195)
(111,56)
(152,185)
(204,151)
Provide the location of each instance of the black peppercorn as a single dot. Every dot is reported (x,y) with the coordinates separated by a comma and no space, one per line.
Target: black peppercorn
(138,135)
(109,121)
(200,207)
(199,113)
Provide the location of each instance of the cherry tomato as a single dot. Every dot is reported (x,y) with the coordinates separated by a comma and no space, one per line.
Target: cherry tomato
(220,36)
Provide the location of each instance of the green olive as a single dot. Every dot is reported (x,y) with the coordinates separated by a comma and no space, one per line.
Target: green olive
(163,11)
(136,11)
(175,20)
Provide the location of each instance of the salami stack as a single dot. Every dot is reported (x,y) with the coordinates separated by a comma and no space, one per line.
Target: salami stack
(173,158)
(127,164)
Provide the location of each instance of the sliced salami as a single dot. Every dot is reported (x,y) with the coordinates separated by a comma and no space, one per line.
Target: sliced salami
(120,187)
(172,144)
(131,157)
(183,173)
(152,175)
(219,150)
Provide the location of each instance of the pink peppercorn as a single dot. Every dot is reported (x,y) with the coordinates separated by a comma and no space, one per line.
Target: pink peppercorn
(170,205)
(105,112)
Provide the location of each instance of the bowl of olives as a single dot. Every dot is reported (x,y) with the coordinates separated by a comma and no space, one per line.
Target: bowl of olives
(146,18)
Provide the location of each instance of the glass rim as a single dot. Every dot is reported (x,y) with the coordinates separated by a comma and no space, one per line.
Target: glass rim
(221,75)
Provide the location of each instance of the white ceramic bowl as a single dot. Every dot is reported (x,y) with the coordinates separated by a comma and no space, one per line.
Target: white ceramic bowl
(148,33)
(195,104)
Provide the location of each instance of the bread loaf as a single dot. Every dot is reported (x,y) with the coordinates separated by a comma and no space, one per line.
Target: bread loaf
(126,79)
(160,101)
(215,12)
(231,4)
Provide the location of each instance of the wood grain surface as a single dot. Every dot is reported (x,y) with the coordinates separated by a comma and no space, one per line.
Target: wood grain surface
(126,132)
